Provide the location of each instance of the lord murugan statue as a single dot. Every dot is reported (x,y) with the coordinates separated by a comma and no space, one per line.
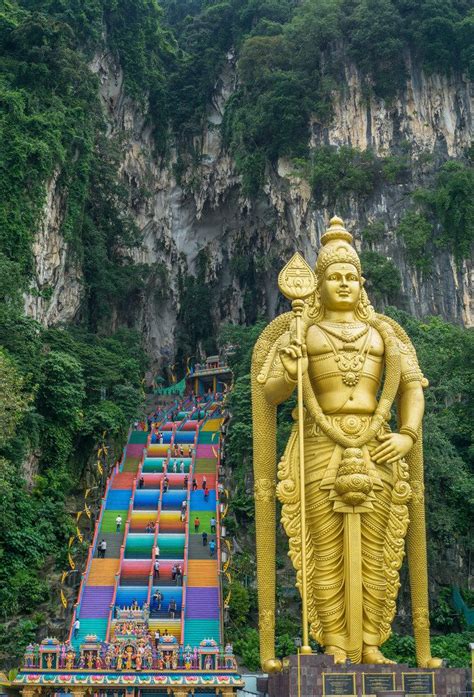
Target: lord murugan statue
(350,488)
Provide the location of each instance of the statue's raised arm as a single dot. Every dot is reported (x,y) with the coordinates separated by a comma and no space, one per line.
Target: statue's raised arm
(362,483)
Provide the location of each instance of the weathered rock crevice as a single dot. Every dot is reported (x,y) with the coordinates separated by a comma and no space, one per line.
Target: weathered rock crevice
(249,241)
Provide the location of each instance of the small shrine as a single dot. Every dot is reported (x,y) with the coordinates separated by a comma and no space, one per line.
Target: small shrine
(208,654)
(229,659)
(168,652)
(90,651)
(49,651)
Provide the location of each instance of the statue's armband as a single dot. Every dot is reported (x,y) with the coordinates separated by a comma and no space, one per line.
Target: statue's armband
(410,369)
(272,366)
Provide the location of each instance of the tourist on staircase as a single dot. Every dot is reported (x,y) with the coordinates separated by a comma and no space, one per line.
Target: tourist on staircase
(156,568)
(102,549)
(172,608)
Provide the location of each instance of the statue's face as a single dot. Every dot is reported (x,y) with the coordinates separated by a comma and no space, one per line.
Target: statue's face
(340,287)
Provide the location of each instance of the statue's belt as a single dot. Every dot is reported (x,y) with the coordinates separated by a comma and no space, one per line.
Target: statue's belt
(351,425)
(323,456)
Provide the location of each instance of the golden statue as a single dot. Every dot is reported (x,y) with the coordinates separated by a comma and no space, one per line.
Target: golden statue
(353,487)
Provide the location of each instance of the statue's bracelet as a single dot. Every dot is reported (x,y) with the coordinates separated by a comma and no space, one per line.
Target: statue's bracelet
(289,380)
(407,431)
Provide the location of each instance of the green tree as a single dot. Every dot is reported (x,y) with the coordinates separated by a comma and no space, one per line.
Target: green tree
(14,400)
(62,392)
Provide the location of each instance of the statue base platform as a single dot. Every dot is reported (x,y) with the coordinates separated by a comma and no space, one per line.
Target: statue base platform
(319,676)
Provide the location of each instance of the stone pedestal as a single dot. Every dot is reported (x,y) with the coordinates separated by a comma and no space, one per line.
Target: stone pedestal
(321,677)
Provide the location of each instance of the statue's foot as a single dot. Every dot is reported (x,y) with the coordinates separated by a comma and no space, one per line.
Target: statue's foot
(272,665)
(431,663)
(372,654)
(338,654)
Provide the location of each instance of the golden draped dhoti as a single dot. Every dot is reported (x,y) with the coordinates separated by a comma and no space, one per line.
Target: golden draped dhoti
(353,552)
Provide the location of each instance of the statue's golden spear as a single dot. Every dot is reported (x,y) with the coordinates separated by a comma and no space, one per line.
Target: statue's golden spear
(297,282)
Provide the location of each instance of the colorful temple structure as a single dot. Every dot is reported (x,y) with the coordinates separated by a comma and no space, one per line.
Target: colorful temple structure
(149,618)
(211,376)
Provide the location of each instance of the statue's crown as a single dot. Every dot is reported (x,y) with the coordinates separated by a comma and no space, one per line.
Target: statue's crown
(336,247)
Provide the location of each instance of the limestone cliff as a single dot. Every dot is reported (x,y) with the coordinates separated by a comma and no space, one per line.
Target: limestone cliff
(205,209)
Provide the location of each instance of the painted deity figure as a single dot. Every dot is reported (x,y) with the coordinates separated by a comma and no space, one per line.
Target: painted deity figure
(363,482)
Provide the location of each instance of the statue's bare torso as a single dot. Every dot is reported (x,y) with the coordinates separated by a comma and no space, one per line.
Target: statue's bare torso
(333,395)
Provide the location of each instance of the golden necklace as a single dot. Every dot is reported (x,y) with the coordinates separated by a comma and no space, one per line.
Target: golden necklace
(349,360)
(346,335)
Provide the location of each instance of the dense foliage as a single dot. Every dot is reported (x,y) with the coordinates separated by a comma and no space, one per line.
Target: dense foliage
(63,390)
(283,88)
(443,352)
(63,387)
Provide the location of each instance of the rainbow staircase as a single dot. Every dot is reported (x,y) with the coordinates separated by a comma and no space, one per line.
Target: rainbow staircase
(203,606)
(98,585)
(148,490)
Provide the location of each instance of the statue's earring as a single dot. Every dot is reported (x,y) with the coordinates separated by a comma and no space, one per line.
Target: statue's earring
(314,301)
(364,308)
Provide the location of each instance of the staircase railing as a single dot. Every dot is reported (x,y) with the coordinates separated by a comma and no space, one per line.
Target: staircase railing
(122,552)
(186,548)
(155,542)
(91,550)
(218,546)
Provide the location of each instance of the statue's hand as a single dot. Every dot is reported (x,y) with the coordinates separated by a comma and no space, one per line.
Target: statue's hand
(289,358)
(393,447)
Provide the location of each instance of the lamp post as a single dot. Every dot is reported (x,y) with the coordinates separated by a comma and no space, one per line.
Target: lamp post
(298,644)
(471,646)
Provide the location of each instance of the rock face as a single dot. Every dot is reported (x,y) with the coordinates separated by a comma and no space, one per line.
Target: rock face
(57,289)
(247,242)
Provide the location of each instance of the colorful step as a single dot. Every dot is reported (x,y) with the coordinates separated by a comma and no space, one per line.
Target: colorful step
(171,546)
(205,465)
(109,517)
(155,450)
(90,626)
(172,499)
(153,464)
(135,568)
(208,438)
(187,437)
(207,451)
(102,572)
(146,499)
(205,518)
(138,437)
(212,425)
(118,499)
(190,425)
(138,546)
(198,502)
(197,630)
(126,595)
(166,626)
(123,480)
(140,520)
(134,450)
(202,573)
(178,460)
(202,603)
(170,521)
(95,602)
